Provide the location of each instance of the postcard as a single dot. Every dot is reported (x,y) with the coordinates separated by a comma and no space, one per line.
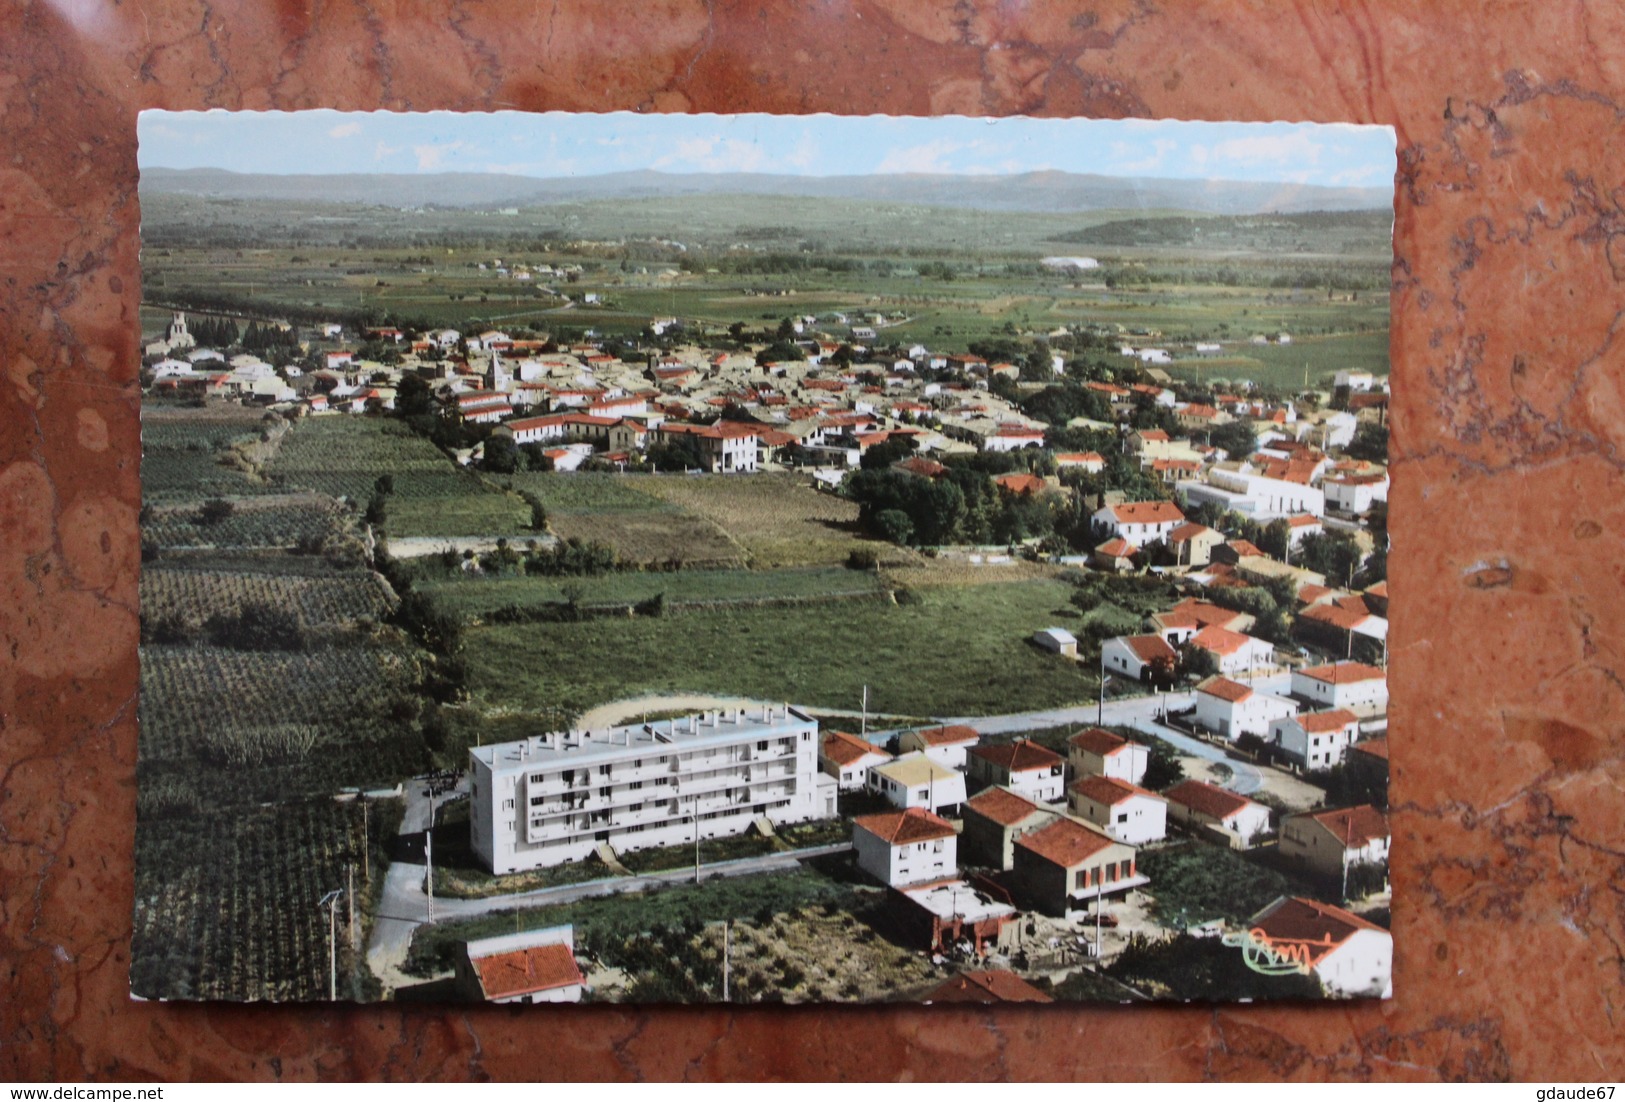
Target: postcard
(692,558)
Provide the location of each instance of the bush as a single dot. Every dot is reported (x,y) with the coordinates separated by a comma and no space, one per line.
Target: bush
(214,511)
(863,558)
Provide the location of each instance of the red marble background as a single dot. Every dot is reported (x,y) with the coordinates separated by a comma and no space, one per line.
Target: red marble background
(1508,641)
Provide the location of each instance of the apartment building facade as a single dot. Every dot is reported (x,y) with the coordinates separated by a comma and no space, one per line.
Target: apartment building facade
(554,798)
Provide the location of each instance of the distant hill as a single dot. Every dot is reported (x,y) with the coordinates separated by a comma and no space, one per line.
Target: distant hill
(1034,192)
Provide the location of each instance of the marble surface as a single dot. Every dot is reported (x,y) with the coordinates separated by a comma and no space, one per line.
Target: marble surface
(1508,640)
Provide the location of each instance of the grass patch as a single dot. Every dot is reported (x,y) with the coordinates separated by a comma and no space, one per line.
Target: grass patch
(944,652)
(712,850)
(778,519)
(474,596)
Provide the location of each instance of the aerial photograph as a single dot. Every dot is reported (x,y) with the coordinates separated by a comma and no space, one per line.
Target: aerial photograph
(762,559)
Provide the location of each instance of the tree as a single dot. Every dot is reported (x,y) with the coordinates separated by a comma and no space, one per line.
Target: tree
(1237,439)
(1370,443)
(887,452)
(413,397)
(1197,662)
(214,511)
(1275,537)
(1334,555)
(677,452)
(893,525)
(1163,768)
(501,454)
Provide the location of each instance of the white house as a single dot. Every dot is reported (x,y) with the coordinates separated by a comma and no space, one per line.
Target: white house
(1234,652)
(1356,686)
(1200,804)
(1022,766)
(914,780)
(1316,740)
(1126,811)
(947,746)
(1098,752)
(1140,522)
(1355,493)
(1132,655)
(848,759)
(1334,840)
(905,847)
(1351,957)
(1232,709)
(537,966)
(1354,380)
(1009,438)
(1252,494)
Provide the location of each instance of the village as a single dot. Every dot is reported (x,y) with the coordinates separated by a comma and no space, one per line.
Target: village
(1226,550)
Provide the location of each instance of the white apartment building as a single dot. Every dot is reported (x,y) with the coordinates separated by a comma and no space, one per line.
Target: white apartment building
(556,797)
(1253,495)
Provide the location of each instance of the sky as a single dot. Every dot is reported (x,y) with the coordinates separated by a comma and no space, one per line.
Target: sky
(569,145)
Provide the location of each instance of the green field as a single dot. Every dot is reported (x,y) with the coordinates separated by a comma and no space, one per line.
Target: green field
(476,596)
(942,652)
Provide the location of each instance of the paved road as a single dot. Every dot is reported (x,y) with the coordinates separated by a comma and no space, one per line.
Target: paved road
(1139,712)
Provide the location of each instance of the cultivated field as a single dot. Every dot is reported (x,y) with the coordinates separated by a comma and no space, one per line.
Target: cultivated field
(189,590)
(227,909)
(281,521)
(643,528)
(778,519)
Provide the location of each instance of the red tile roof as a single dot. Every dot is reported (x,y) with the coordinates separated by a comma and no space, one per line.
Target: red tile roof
(1022,484)
(526,971)
(1109,790)
(1303,520)
(844,749)
(1225,689)
(1099,741)
(1321,722)
(987,987)
(952,735)
(1149,648)
(1117,549)
(900,828)
(1188,531)
(1065,842)
(1146,512)
(1318,927)
(1244,548)
(1353,826)
(1220,640)
(1335,615)
(1002,806)
(1344,673)
(1214,802)
(1066,459)
(1021,756)
(1377,748)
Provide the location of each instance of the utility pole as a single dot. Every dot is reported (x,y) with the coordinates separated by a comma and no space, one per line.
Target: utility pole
(366,842)
(727,948)
(863,730)
(331,902)
(428,857)
(1100,711)
(349,899)
(696,839)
